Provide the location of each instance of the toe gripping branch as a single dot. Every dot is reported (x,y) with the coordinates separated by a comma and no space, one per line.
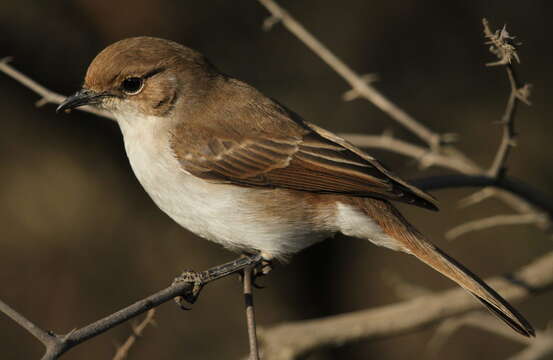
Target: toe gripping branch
(199,279)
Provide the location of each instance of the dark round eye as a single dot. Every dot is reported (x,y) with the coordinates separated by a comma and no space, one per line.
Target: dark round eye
(132,85)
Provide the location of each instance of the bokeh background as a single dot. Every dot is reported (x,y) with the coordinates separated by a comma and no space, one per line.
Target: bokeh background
(81,239)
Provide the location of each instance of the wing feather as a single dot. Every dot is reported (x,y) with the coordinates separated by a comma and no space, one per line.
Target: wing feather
(305,158)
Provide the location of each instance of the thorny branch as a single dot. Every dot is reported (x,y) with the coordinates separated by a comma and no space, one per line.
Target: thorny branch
(187,286)
(361,85)
(435,154)
(501,44)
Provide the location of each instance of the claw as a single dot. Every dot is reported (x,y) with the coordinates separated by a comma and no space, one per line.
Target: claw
(257,286)
(189,297)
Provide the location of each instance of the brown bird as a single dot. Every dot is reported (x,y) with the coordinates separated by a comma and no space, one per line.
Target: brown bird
(238,168)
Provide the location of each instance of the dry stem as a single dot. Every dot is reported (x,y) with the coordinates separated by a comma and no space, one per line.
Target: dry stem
(360,84)
(123,350)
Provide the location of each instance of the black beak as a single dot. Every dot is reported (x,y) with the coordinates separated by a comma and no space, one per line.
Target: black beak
(80,98)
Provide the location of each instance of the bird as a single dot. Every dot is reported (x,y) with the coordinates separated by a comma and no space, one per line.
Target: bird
(240,169)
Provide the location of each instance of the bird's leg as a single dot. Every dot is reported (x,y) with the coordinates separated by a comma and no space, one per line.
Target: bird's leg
(200,279)
(261,268)
(248,280)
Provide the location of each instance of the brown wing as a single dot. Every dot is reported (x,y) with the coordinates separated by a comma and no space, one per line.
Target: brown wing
(307,158)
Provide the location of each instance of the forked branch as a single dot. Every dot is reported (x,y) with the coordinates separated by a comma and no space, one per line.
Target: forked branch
(188,286)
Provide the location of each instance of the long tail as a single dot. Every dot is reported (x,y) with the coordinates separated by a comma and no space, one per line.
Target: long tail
(411,241)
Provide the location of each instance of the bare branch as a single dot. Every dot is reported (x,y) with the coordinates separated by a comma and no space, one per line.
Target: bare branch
(502,46)
(360,85)
(539,348)
(123,350)
(295,339)
(426,157)
(48,96)
(56,345)
(476,197)
(44,337)
(493,221)
(478,319)
(403,289)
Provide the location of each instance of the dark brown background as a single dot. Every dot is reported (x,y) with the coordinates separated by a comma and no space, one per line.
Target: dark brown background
(80,238)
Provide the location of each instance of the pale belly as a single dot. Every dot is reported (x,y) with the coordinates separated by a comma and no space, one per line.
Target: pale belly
(237,218)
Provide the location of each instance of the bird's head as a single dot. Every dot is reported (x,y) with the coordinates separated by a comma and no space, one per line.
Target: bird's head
(143,76)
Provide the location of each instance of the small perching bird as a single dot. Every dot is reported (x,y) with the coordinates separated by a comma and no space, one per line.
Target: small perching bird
(237,168)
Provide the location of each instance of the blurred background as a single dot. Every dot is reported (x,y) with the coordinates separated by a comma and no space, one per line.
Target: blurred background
(81,239)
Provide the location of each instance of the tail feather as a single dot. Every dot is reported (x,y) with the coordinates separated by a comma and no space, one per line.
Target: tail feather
(411,241)
(484,293)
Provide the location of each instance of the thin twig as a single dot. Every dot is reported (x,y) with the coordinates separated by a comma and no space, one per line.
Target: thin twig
(476,197)
(402,288)
(477,319)
(56,344)
(48,96)
(123,350)
(360,85)
(424,156)
(41,335)
(250,313)
(513,187)
(493,221)
(502,46)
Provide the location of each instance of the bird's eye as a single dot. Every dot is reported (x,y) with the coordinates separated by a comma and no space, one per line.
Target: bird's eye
(132,85)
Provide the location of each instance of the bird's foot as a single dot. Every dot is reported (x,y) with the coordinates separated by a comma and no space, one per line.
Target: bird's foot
(259,269)
(189,296)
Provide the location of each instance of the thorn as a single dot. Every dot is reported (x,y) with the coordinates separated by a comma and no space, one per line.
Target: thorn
(448,138)
(270,22)
(353,94)
(6,59)
(370,78)
(427,160)
(476,197)
(41,102)
(350,95)
(523,94)
(68,335)
(388,133)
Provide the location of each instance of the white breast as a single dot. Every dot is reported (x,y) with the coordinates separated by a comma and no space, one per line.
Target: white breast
(217,212)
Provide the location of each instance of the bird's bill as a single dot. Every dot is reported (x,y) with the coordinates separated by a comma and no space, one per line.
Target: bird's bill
(80,98)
